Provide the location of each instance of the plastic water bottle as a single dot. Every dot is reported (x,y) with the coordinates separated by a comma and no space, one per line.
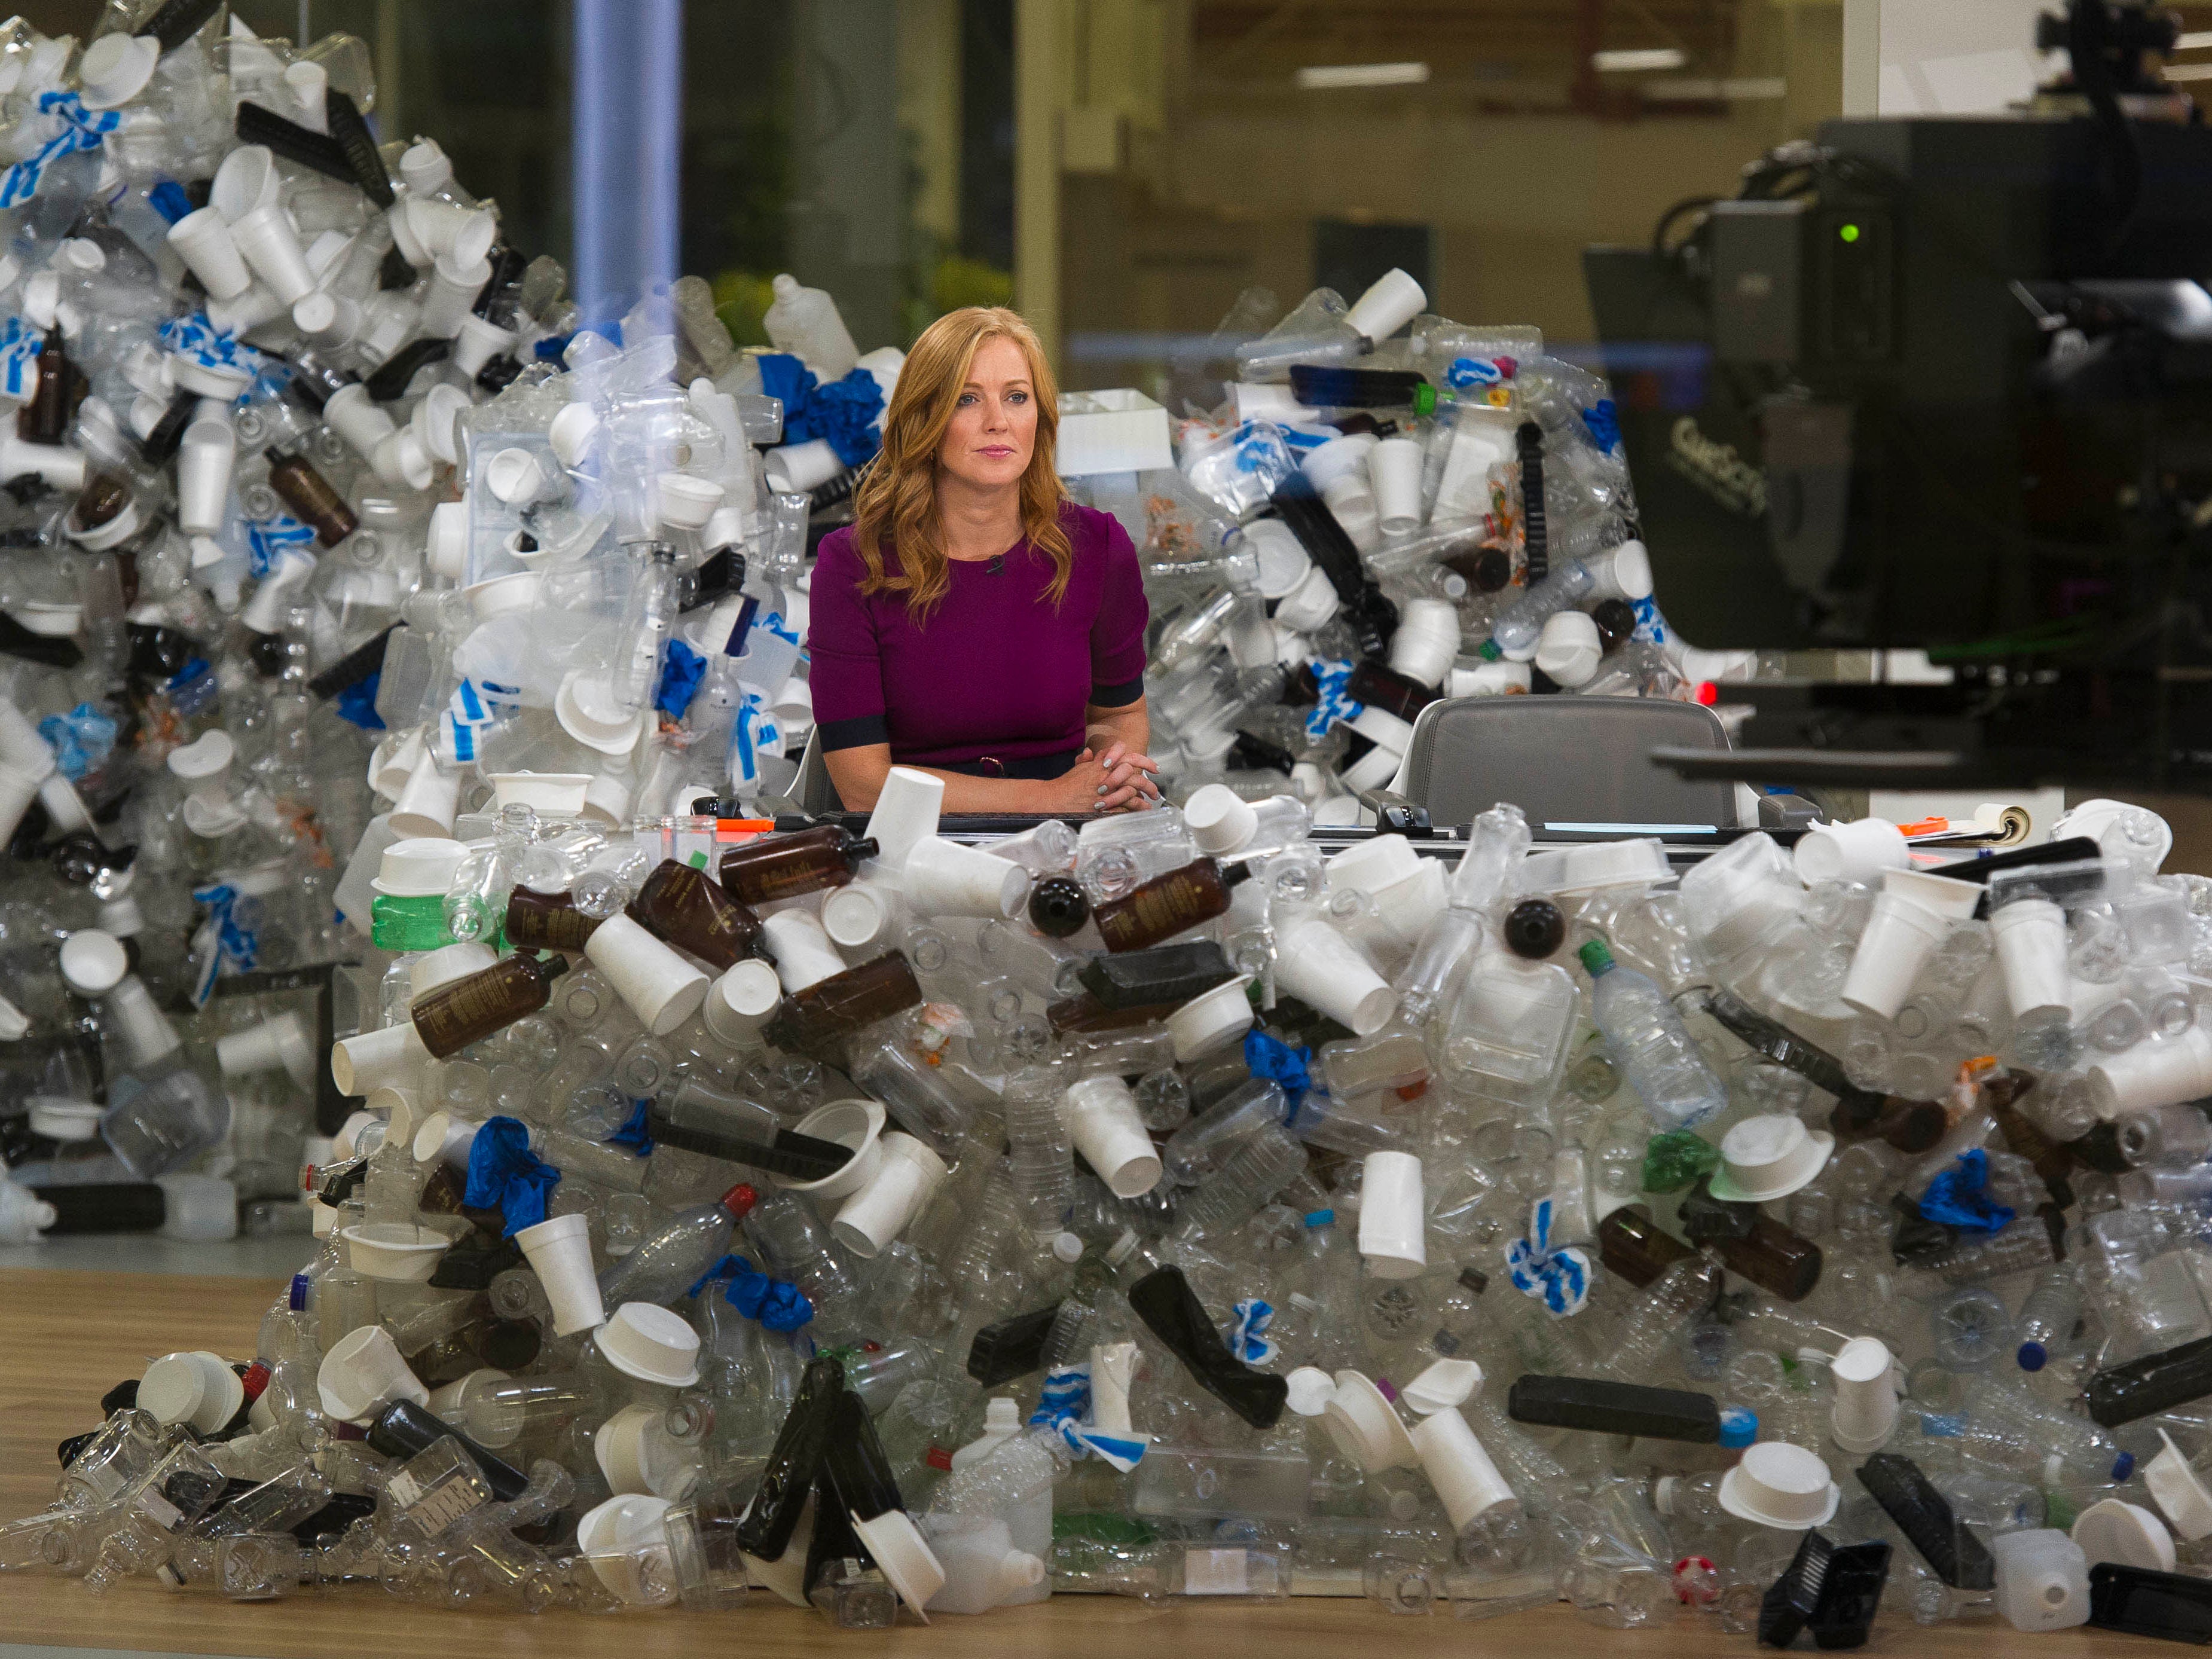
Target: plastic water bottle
(1039,1150)
(805,321)
(2048,1315)
(1649,1044)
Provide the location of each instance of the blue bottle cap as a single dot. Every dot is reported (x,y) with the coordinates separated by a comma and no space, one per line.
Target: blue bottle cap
(2124,1466)
(2032,1357)
(1739,1427)
(299,1289)
(1320,1217)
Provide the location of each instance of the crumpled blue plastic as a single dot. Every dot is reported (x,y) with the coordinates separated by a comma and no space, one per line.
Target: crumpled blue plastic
(71,128)
(506,1174)
(681,670)
(634,1134)
(844,411)
(82,740)
(1273,1060)
(776,1305)
(1604,424)
(1958,1197)
(357,703)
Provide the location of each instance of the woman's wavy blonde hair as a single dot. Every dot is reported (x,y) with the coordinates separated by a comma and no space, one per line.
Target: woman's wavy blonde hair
(894,524)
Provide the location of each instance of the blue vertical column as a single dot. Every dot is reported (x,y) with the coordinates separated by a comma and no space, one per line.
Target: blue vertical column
(627,141)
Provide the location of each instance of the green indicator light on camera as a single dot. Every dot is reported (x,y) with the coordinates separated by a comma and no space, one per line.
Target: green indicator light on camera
(1849,233)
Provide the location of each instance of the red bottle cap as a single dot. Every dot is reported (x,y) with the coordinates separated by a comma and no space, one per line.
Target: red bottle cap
(739,1200)
(938,1458)
(255,1377)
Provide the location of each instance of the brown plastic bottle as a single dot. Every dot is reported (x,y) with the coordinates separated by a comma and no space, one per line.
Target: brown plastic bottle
(547,921)
(681,904)
(1167,905)
(784,866)
(45,419)
(823,1015)
(1631,1243)
(470,1009)
(309,494)
(1773,1258)
(1087,1015)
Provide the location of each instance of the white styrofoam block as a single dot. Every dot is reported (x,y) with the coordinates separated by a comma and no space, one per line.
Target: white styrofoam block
(1118,431)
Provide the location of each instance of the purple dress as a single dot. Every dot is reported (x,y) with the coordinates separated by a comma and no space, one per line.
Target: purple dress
(997,681)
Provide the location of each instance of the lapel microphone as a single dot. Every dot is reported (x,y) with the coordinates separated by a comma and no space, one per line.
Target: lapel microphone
(997,563)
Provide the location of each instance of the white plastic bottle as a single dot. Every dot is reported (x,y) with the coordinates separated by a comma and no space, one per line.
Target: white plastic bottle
(1029,1524)
(805,322)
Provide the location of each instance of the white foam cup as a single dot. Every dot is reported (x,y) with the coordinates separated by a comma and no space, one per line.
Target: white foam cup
(559,1252)
(659,986)
(2030,936)
(1391,1216)
(362,1373)
(803,955)
(1107,1129)
(943,877)
(1393,466)
(1859,851)
(907,1176)
(1319,966)
(202,240)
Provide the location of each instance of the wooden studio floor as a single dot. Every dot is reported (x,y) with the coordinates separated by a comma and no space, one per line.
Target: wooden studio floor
(66,1337)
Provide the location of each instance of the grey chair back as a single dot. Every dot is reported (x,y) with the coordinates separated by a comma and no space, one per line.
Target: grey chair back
(1564,760)
(814,793)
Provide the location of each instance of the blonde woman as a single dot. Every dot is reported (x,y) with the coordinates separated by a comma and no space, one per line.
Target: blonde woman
(972,621)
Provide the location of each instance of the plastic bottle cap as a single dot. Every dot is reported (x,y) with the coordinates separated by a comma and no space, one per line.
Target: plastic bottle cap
(1068,1248)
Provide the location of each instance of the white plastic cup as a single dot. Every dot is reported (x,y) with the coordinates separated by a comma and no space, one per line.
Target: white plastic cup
(857,915)
(364,1373)
(1394,468)
(856,1125)
(1427,642)
(626,1540)
(1391,1216)
(399,1251)
(448,228)
(1621,573)
(194,1387)
(559,1252)
(273,248)
(943,877)
(2160,1072)
(905,810)
(661,988)
(428,806)
(1322,967)
(742,1001)
(391,1058)
(1309,605)
(2030,936)
(907,1176)
(684,502)
(203,241)
(1465,1477)
(791,468)
(1570,649)
(1107,1129)
(1900,935)
(803,955)
(205,459)
(454,285)
(1212,1020)
(247,179)
(1859,851)
(1866,1410)
(279,1040)
(355,416)
(1220,820)
(1391,302)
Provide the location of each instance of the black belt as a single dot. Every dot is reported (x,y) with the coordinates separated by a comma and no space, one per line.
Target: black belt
(1024,766)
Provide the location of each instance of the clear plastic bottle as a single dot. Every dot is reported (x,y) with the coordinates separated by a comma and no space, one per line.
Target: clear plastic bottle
(1649,1327)
(1486,870)
(1262,1165)
(1516,632)
(2049,1315)
(1039,1152)
(649,618)
(665,1266)
(1650,1046)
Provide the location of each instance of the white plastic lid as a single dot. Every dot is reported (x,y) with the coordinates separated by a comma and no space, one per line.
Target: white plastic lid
(209,757)
(1310,1388)
(1598,864)
(2113,1530)
(92,962)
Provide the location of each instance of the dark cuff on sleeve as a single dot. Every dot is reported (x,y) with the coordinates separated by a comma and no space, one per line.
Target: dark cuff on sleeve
(858,732)
(1117,696)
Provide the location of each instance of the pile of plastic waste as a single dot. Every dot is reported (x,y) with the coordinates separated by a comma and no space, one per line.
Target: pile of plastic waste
(1170,1207)
(323,503)
(1358,529)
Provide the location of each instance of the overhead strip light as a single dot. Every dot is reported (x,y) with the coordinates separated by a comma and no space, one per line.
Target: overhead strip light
(1323,77)
(1641,57)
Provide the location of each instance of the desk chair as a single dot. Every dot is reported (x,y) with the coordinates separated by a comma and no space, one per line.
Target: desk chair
(1564,760)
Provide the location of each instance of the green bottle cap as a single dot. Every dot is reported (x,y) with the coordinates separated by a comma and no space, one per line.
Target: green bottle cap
(1424,399)
(1596,958)
(1488,651)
